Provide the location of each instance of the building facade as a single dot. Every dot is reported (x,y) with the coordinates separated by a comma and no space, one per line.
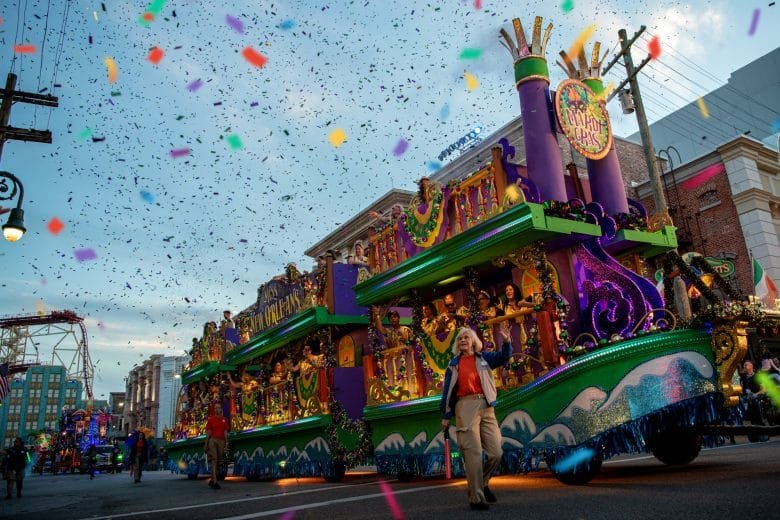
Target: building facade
(35,401)
(170,386)
(116,404)
(726,206)
(150,394)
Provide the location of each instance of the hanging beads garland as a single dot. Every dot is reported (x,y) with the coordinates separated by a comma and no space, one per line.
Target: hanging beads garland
(341,422)
(549,294)
(421,232)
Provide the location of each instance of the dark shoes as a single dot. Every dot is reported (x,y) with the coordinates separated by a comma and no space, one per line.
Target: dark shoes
(8,497)
(489,496)
(479,506)
(214,485)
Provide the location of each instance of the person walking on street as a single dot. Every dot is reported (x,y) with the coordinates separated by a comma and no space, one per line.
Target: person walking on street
(139,450)
(16,461)
(469,394)
(216,435)
(91,460)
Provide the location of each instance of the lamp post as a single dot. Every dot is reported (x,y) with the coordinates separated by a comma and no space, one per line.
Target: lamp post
(14,228)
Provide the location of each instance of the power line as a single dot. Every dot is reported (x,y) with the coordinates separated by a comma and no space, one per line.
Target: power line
(677,55)
(40,66)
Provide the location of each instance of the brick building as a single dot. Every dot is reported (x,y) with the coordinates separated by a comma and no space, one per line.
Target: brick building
(726,204)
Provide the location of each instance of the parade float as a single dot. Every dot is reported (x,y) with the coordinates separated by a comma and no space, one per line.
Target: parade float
(602,364)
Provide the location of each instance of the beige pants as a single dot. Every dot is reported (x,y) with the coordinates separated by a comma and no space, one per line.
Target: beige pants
(478,430)
(214,451)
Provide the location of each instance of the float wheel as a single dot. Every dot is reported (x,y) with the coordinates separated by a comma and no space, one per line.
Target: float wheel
(676,448)
(582,473)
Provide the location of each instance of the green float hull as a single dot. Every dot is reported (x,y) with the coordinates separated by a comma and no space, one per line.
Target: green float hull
(610,400)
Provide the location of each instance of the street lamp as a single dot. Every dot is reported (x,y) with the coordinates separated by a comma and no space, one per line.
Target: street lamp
(14,228)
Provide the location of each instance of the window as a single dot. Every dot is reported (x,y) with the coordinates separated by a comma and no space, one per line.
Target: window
(55,378)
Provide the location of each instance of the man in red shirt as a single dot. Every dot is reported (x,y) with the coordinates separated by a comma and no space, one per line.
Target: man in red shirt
(216,435)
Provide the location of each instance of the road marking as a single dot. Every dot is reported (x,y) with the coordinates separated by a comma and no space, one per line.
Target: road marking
(336,501)
(224,502)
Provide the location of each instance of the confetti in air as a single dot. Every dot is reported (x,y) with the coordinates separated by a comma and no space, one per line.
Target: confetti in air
(179,152)
(703,108)
(444,113)
(83,255)
(573,459)
(654,48)
(152,10)
(234,141)
(470,54)
(289,515)
(147,197)
(24,48)
(55,226)
(770,386)
(337,137)
(155,55)
(433,166)
(195,85)
(472,83)
(754,22)
(477,4)
(40,307)
(401,147)
(581,39)
(112,69)
(235,23)
(254,58)
(567,6)
(86,133)
(776,125)
(287,25)
(392,502)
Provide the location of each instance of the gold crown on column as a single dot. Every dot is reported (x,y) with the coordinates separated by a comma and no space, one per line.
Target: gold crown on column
(582,70)
(521,49)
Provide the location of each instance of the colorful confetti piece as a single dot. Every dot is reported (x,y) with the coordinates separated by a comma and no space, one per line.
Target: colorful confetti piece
(151,12)
(444,113)
(472,83)
(236,24)
(401,147)
(703,108)
(24,48)
(55,226)
(147,197)
(85,254)
(289,515)
(112,69)
(433,166)
(470,54)
(771,388)
(179,152)
(392,502)
(254,58)
(195,85)
(156,55)
(287,25)
(567,6)
(40,308)
(337,137)
(581,40)
(573,459)
(477,4)
(234,141)
(86,133)
(776,125)
(654,48)
(754,22)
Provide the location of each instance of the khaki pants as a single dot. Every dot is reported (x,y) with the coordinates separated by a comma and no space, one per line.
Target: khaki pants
(477,430)
(215,448)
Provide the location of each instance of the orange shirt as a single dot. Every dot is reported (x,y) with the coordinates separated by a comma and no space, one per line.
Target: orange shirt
(217,426)
(468,378)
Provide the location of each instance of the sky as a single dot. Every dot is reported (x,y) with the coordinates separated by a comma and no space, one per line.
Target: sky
(197,178)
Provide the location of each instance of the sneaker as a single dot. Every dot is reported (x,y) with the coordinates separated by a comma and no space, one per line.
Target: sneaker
(489,496)
(479,506)
(216,486)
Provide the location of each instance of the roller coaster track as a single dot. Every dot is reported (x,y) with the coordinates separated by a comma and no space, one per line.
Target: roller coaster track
(12,324)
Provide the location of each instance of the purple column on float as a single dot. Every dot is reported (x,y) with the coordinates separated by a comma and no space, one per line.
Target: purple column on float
(605,177)
(532,79)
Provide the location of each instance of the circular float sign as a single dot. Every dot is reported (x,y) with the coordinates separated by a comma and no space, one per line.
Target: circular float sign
(583,119)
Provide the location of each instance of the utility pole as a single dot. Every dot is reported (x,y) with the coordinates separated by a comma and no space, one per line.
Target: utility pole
(9,96)
(661,208)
